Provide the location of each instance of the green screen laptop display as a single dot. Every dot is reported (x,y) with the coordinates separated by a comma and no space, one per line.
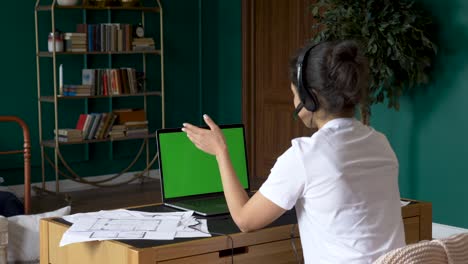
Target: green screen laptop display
(186,170)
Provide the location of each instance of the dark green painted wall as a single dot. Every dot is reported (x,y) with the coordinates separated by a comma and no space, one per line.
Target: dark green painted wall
(222,57)
(203,75)
(429,132)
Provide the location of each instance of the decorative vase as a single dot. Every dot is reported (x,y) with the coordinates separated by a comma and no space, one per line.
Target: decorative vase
(55,38)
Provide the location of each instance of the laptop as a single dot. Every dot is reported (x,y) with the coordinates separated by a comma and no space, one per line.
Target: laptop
(190,178)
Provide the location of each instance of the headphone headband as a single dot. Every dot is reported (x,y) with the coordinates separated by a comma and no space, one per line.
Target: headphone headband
(306,97)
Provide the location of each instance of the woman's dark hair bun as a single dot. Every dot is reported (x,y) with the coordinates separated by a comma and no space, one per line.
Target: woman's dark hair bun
(337,72)
(346,76)
(344,52)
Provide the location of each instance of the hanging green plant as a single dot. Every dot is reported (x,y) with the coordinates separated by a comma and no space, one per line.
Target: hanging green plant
(396,36)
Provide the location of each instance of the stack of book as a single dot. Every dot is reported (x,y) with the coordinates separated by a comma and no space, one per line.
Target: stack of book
(107,36)
(78,90)
(95,125)
(136,128)
(117,131)
(111,81)
(69,135)
(142,44)
(129,122)
(75,42)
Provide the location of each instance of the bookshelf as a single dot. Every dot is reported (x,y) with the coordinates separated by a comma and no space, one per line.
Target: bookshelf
(50,54)
(109,40)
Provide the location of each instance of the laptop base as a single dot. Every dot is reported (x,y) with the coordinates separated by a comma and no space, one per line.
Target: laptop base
(204,210)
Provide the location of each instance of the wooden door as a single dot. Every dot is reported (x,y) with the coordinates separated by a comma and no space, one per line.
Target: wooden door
(273,30)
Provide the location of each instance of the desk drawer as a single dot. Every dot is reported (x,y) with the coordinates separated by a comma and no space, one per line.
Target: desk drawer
(274,252)
(412,227)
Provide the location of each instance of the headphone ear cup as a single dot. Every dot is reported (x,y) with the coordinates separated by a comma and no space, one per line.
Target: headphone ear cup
(308,99)
(312,103)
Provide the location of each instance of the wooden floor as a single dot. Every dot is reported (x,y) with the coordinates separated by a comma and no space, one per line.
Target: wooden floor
(97,199)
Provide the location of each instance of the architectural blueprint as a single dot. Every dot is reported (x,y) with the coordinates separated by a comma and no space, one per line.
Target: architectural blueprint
(125,224)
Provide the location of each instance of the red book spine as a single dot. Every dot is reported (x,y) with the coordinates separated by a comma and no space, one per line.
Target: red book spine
(105,84)
(81,121)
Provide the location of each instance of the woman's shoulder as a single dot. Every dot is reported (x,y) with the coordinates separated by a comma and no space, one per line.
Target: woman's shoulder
(308,144)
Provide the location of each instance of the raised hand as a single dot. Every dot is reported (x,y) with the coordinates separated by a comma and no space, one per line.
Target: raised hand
(210,140)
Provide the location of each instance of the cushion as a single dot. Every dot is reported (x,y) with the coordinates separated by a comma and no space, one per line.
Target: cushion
(23,235)
(423,252)
(10,205)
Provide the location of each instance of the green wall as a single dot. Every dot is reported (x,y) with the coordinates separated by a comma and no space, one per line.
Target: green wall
(202,41)
(429,132)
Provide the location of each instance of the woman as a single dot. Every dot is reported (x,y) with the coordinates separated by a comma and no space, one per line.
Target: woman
(342,180)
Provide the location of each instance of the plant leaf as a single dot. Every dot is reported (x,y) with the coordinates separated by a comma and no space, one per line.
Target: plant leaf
(396,38)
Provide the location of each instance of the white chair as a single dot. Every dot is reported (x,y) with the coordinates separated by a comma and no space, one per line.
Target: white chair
(456,247)
(425,252)
(451,250)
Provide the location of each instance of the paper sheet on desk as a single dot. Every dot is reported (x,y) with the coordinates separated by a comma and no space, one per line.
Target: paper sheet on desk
(125,224)
(93,228)
(404,203)
(189,226)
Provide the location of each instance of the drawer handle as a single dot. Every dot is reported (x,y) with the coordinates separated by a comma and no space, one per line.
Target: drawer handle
(236,251)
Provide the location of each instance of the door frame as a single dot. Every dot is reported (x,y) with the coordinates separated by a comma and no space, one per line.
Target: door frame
(248,79)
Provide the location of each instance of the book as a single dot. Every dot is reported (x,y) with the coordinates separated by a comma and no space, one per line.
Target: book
(119,39)
(75,42)
(104,117)
(118,128)
(105,85)
(143,44)
(90,36)
(96,120)
(136,133)
(117,131)
(109,125)
(69,132)
(136,123)
(130,79)
(118,75)
(130,115)
(69,139)
(143,48)
(87,126)
(78,90)
(113,82)
(97,82)
(105,124)
(81,121)
(125,83)
(87,77)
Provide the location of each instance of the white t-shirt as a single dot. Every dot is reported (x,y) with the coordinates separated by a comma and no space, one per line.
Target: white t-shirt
(343,182)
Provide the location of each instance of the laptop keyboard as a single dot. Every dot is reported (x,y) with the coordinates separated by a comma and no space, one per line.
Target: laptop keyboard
(205,202)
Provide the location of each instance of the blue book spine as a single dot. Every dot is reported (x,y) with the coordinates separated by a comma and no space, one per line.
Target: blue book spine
(90,38)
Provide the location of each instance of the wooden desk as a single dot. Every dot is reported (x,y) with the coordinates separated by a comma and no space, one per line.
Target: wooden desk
(417,218)
(269,245)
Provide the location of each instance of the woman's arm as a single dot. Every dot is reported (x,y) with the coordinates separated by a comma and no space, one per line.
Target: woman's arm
(248,214)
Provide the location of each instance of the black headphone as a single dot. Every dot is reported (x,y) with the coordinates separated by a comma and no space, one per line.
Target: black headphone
(307,98)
